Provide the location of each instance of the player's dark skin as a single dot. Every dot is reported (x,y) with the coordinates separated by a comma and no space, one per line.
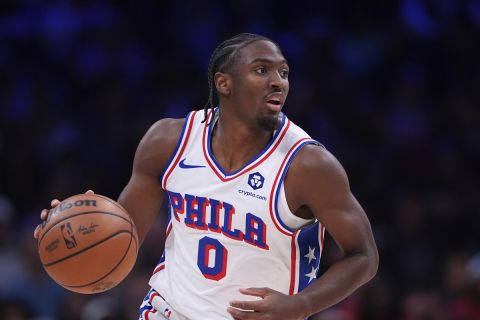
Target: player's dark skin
(316,184)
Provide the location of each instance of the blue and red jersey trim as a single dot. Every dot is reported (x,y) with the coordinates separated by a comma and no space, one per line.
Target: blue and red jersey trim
(161,263)
(253,163)
(307,242)
(275,192)
(307,249)
(180,147)
(146,309)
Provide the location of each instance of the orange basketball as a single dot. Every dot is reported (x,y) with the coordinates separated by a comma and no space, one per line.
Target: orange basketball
(88,244)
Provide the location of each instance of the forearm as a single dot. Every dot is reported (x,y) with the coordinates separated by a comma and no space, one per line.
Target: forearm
(339,281)
(142,198)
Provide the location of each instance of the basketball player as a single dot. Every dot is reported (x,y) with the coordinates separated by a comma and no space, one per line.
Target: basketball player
(250,195)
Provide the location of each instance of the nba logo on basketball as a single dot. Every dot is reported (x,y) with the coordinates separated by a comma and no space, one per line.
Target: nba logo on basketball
(255,180)
(68,237)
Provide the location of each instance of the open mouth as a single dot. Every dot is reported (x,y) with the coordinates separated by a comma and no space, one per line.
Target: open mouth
(274,105)
(275,102)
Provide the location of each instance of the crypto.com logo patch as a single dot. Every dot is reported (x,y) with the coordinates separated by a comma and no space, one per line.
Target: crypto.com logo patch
(256,180)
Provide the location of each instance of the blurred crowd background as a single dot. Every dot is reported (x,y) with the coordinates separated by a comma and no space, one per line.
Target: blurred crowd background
(391,88)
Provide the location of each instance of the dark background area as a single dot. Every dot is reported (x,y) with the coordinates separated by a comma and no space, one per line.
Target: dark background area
(392,89)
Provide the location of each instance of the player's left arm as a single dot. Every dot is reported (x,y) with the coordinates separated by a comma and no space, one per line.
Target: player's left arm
(327,195)
(317,185)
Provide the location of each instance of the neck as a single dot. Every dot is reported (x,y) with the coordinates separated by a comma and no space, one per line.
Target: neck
(234,142)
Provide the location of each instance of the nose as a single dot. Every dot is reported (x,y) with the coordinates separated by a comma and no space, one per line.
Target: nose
(278,82)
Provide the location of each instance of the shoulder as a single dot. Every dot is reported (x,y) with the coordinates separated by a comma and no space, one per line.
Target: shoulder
(315,175)
(316,159)
(158,144)
(165,132)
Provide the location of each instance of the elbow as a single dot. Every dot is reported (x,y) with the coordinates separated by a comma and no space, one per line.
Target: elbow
(365,264)
(368,263)
(373,263)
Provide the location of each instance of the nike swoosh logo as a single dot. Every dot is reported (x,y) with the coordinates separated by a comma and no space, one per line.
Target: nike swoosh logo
(183,165)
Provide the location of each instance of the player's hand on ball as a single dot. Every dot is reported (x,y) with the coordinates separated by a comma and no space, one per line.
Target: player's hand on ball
(273,305)
(44,213)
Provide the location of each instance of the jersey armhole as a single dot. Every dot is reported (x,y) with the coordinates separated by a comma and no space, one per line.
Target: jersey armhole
(285,218)
(182,141)
(286,215)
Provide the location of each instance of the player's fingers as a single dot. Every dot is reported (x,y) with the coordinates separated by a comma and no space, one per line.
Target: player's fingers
(90,192)
(257,292)
(240,315)
(54,203)
(248,305)
(36,232)
(44,214)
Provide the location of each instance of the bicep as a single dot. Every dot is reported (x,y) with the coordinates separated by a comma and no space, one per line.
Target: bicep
(348,224)
(323,187)
(143,195)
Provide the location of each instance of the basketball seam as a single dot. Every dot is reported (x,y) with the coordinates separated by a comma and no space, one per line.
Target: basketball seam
(118,205)
(87,248)
(110,272)
(114,203)
(78,214)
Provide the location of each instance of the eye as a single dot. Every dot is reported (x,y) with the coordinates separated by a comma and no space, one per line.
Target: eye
(261,70)
(284,73)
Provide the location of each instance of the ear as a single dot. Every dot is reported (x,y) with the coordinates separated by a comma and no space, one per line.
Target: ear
(222,82)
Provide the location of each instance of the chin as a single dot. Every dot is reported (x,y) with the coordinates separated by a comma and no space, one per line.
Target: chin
(270,122)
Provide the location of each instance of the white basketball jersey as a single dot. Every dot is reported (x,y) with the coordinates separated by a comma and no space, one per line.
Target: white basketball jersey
(228,231)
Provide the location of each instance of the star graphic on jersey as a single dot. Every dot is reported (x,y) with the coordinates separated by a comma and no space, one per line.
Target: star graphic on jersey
(312,275)
(311,254)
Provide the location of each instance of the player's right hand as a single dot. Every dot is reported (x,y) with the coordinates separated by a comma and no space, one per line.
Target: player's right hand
(44,213)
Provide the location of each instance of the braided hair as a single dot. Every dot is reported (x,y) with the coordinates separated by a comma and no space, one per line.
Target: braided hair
(222,59)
